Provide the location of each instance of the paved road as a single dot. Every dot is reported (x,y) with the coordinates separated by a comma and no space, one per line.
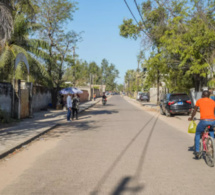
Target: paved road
(115,150)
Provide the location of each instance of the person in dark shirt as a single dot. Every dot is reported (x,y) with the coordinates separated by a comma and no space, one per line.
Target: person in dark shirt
(75,106)
(104,96)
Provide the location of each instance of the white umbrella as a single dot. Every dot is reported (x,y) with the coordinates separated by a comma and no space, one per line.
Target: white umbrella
(77,90)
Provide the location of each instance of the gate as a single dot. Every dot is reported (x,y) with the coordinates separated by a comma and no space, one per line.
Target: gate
(24,101)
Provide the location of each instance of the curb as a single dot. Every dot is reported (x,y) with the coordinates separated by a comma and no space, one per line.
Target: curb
(27,142)
(4,154)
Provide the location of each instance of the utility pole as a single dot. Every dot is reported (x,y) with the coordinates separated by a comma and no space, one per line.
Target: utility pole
(90,86)
(93,85)
(102,82)
(138,68)
(158,86)
(74,71)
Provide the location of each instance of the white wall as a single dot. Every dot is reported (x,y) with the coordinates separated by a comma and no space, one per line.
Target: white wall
(41,100)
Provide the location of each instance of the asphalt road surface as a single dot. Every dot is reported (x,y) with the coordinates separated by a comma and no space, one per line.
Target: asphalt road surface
(115,149)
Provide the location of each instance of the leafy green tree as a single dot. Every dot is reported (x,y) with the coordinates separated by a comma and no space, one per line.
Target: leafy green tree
(181,34)
(78,73)
(109,74)
(120,87)
(53,15)
(130,81)
(94,71)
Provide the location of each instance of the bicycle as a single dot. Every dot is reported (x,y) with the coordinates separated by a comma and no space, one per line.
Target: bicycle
(206,146)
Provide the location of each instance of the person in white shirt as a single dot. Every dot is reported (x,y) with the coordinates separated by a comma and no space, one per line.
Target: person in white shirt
(69,106)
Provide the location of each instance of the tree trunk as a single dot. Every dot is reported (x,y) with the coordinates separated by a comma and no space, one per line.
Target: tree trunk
(54,94)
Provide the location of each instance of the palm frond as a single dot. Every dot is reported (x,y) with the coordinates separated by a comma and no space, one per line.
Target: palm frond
(6,57)
(38,72)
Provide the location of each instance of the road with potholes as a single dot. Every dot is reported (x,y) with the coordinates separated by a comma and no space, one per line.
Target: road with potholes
(114,149)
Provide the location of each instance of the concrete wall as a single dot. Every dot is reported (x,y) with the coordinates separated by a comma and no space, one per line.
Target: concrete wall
(84,96)
(153,94)
(5,97)
(98,92)
(41,98)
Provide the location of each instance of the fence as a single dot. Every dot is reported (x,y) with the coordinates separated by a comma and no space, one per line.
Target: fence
(6,97)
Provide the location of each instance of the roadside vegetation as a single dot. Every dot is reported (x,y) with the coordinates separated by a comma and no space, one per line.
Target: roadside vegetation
(36,28)
(179,36)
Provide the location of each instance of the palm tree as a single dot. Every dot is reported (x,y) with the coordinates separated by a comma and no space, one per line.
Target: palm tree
(19,41)
(7,7)
(6,21)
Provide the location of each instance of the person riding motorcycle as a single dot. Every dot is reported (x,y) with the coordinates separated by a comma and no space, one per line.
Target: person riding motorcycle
(104,98)
(207,107)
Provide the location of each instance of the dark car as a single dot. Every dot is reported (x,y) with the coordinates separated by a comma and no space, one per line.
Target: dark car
(144,97)
(175,103)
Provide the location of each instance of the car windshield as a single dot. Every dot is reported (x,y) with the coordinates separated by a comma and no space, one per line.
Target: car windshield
(144,94)
(179,97)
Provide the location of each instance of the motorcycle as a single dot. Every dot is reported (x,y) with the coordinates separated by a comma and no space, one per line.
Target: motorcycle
(104,101)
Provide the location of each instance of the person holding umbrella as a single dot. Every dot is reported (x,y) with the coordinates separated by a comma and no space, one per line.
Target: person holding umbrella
(69,106)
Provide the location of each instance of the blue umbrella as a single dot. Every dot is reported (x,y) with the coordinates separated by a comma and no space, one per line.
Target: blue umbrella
(70,90)
(66,91)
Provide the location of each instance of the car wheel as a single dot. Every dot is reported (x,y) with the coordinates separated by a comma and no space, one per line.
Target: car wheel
(167,113)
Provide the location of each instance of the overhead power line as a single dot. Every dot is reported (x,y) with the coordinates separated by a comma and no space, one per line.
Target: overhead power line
(135,17)
(131,11)
(139,11)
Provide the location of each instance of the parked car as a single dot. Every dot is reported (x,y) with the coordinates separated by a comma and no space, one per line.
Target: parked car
(144,97)
(138,95)
(175,103)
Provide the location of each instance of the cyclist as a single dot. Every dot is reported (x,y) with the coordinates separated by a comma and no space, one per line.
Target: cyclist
(207,107)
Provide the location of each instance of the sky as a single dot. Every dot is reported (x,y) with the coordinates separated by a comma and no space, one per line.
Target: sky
(100,20)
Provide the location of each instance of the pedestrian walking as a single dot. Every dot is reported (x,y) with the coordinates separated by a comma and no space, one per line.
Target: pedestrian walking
(75,107)
(69,106)
(94,96)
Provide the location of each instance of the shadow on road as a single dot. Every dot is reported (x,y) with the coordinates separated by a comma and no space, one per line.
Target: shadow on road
(123,185)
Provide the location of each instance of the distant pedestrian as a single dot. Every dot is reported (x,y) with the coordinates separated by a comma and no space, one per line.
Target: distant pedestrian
(69,107)
(94,96)
(75,106)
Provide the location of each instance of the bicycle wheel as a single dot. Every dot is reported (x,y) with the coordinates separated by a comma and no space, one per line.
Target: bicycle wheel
(209,152)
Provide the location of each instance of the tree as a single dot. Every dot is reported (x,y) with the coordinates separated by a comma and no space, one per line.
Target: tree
(19,41)
(130,78)
(7,7)
(181,34)
(94,71)
(152,27)
(109,74)
(53,15)
(120,87)
(78,73)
